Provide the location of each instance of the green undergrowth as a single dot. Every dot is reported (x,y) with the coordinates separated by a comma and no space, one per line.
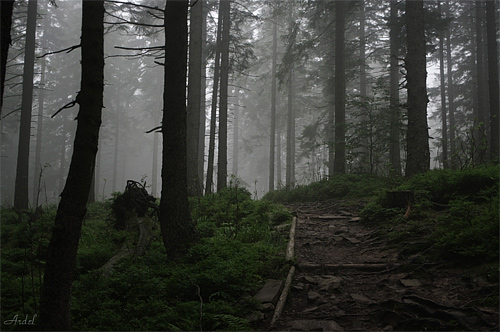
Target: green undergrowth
(340,186)
(454,217)
(210,288)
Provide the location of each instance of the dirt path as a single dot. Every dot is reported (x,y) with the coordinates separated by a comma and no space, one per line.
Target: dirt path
(347,280)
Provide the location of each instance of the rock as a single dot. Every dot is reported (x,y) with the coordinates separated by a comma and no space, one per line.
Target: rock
(360,298)
(314,325)
(298,286)
(265,307)
(313,296)
(341,231)
(270,293)
(345,213)
(353,240)
(313,280)
(310,309)
(410,282)
(328,283)
(255,316)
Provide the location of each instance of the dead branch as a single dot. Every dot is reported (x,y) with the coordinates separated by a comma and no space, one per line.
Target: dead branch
(68,105)
(157,129)
(140,48)
(67,50)
(136,5)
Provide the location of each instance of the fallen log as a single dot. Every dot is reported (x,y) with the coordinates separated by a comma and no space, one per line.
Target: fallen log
(284,294)
(291,244)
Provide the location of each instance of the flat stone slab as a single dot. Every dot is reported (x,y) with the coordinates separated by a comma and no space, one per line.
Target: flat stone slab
(270,293)
(410,282)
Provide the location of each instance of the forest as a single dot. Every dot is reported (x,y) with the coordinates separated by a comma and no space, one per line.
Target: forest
(161,159)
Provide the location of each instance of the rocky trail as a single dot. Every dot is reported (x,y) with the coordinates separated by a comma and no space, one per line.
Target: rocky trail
(347,280)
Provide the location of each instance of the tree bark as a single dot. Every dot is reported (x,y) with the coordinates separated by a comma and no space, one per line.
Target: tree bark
(272,140)
(223,103)
(340,142)
(444,123)
(290,135)
(236,136)
(21,200)
(38,167)
(194,97)
(7,6)
(418,159)
(493,84)
(366,154)
(154,180)
(63,246)
(201,136)
(177,229)
(394,124)
(213,114)
(481,113)
(62,155)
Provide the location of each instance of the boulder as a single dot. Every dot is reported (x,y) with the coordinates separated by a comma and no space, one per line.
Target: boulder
(270,293)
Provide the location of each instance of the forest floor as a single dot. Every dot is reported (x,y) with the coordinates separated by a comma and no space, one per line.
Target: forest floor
(349,279)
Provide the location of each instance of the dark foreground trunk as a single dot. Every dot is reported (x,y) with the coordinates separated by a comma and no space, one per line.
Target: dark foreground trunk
(177,229)
(61,261)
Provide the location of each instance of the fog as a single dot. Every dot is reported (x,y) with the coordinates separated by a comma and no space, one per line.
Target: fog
(133,96)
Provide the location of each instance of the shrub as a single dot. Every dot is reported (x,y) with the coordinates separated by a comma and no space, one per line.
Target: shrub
(469,231)
(442,186)
(349,185)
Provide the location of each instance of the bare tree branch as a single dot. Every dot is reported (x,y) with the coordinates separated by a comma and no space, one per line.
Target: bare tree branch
(136,5)
(68,105)
(67,50)
(156,129)
(140,48)
(124,21)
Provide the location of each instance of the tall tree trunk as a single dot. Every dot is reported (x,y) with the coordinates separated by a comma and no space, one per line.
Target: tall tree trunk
(154,180)
(213,114)
(223,103)
(37,169)
(177,229)
(194,97)
(92,187)
(7,6)
(278,157)
(418,160)
(62,153)
(481,118)
(203,102)
(21,200)
(444,123)
(290,135)
(63,246)
(394,123)
(272,140)
(340,142)
(366,155)
(97,171)
(236,136)
(493,84)
(451,95)
(116,151)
